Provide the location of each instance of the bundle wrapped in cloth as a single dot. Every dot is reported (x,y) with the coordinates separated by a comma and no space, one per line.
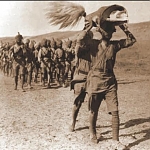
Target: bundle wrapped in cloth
(114,13)
(68,14)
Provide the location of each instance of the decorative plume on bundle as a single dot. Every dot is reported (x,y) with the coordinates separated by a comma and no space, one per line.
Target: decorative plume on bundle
(68,14)
(64,14)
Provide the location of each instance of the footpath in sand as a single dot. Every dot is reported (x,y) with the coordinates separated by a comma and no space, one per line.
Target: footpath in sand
(38,119)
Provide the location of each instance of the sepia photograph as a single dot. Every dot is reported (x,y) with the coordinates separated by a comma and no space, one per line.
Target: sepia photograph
(74,75)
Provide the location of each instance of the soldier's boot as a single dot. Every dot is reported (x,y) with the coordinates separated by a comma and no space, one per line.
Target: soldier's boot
(92,127)
(16,82)
(75,112)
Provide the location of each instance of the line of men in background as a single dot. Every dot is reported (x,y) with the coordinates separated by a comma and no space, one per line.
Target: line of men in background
(27,60)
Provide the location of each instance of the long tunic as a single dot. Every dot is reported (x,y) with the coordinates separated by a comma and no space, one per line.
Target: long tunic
(101,75)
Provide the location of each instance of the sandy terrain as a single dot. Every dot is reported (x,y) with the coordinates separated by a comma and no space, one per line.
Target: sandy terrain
(39,119)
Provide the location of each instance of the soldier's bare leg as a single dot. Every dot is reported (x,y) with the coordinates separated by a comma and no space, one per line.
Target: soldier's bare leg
(7,69)
(23,71)
(49,79)
(75,111)
(58,76)
(43,76)
(42,79)
(94,104)
(22,82)
(64,79)
(92,127)
(16,82)
(76,107)
(16,75)
(29,78)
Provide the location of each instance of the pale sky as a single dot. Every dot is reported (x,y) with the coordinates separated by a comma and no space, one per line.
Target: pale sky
(28,17)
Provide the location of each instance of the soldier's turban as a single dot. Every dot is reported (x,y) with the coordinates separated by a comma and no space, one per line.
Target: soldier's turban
(44,42)
(37,45)
(53,43)
(48,42)
(18,37)
(27,41)
(58,43)
(68,43)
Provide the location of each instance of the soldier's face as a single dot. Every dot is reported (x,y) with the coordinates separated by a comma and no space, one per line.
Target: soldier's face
(26,44)
(18,41)
(109,29)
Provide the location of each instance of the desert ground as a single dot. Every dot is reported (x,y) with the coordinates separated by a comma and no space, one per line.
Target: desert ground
(39,118)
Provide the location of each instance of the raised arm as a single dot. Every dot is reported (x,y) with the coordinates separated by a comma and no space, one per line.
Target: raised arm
(129,41)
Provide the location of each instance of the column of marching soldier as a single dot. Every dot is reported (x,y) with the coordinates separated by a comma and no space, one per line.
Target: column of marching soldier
(48,61)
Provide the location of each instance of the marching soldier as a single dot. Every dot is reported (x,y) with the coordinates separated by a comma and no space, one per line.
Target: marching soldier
(18,51)
(73,63)
(60,62)
(101,82)
(53,67)
(36,64)
(69,59)
(5,60)
(44,57)
(29,62)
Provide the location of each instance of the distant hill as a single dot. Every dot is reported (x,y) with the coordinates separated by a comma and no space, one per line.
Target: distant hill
(140,30)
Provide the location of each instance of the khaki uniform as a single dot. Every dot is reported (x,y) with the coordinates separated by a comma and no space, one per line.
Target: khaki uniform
(44,57)
(60,63)
(83,67)
(18,53)
(101,78)
(36,64)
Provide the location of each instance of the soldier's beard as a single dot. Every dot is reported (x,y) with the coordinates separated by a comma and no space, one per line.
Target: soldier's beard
(18,42)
